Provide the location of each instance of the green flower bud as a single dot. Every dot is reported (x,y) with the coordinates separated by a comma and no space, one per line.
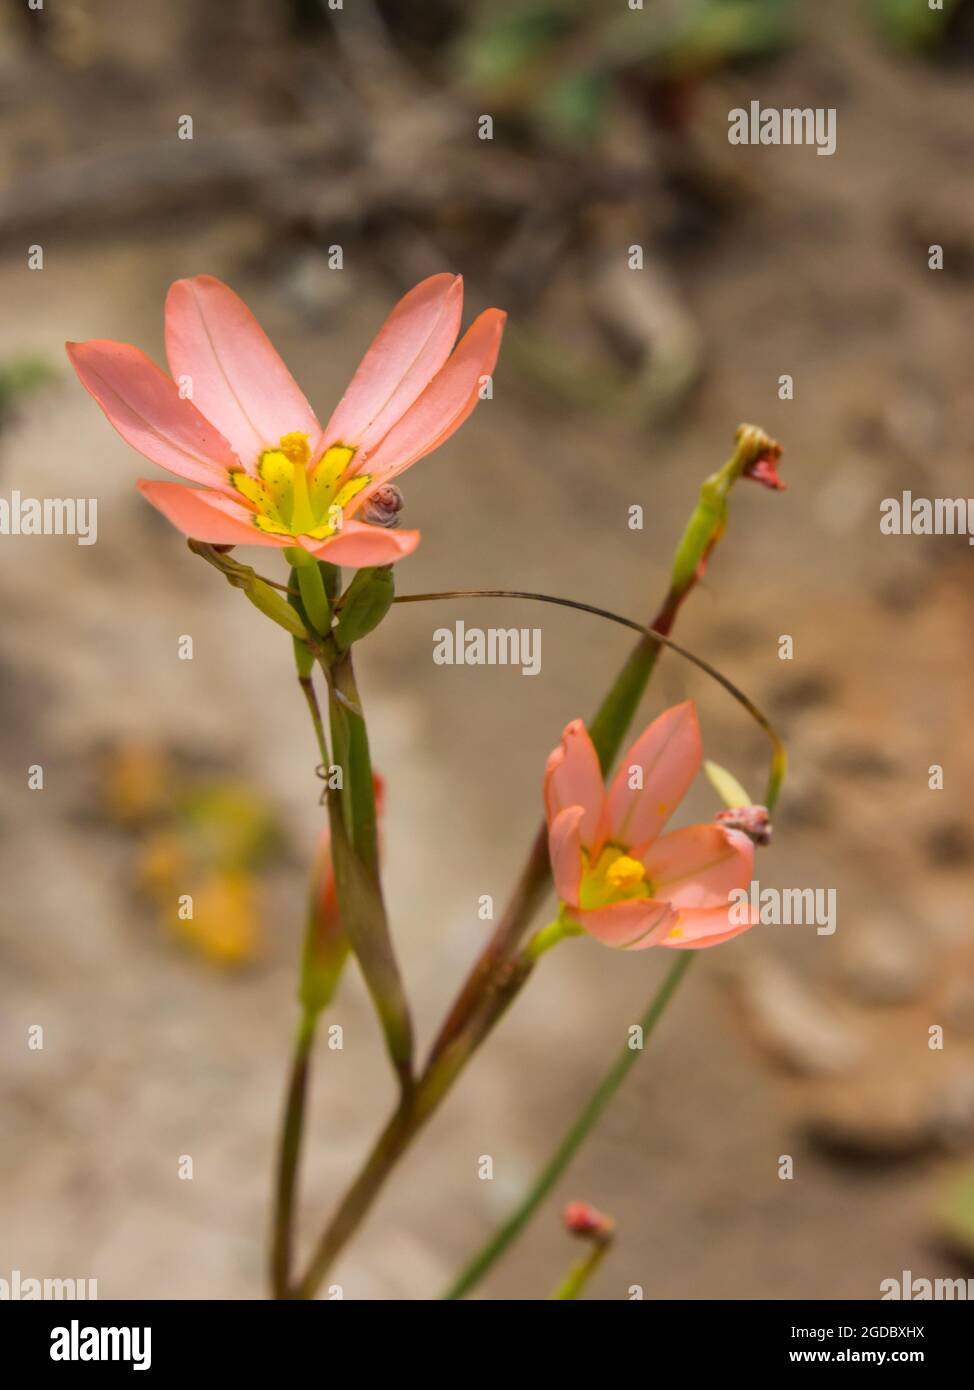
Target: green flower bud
(367,601)
(270,602)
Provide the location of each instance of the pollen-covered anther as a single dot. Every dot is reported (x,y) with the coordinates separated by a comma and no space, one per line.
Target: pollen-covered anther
(625,872)
(295,447)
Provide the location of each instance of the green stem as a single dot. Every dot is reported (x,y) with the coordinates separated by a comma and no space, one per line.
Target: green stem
(579,1274)
(314,709)
(355,856)
(415,1107)
(356,762)
(391,1143)
(549,936)
(570,1144)
(311,587)
(292,1129)
(288,1156)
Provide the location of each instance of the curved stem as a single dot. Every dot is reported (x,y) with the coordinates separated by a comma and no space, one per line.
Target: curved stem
(355,856)
(292,1129)
(778,758)
(579,1274)
(475,1270)
(388,1148)
(288,1156)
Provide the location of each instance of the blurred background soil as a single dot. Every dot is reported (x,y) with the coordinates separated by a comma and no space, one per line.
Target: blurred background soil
(314,129)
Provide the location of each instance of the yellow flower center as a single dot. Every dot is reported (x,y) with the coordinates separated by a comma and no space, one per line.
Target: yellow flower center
(614,877)
(290,498)
(625,872)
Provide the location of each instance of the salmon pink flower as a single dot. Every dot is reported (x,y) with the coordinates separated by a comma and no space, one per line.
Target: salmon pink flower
(618,877)
(238,424)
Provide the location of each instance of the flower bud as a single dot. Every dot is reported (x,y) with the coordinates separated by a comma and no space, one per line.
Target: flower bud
(384,506)
(270,603)
(587,1221)
(367,601)
(754,821)
(762,466)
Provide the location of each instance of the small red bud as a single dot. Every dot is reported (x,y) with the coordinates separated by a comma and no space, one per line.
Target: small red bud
(583,1220)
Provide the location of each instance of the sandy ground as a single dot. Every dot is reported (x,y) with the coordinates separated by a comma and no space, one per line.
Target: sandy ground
(150,1055)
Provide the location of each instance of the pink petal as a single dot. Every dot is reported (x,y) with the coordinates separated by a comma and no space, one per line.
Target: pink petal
(207,516)
(357,546)
(573,777)
(443,406)
(632,925)
(408,351)
(145,407)
(669,753)
(565,852)
(698,867)
(238,380)
(699,927)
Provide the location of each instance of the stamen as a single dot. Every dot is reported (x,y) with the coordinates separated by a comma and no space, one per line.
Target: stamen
(625,872)
(302,516)
(295,446)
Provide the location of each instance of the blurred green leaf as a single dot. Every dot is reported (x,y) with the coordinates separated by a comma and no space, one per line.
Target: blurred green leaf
(574,108)
(505,38)
(692,35)
(911,24)
(956,1211)
(21,378)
